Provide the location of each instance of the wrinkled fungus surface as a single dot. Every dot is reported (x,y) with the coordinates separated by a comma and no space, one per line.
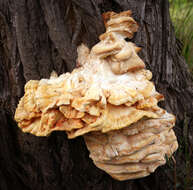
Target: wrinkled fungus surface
(110,100)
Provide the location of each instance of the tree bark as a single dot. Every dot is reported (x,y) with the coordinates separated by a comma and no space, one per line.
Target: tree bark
(37,37)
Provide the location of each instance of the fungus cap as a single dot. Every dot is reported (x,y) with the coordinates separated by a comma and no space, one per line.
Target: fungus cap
(110,100)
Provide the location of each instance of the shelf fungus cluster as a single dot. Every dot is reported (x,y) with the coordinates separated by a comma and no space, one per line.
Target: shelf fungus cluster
(110,100)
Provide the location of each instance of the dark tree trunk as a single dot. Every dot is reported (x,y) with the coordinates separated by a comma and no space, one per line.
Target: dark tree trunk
(38,36)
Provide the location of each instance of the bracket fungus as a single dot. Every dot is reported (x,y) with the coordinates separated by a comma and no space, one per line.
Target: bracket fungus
(110,100)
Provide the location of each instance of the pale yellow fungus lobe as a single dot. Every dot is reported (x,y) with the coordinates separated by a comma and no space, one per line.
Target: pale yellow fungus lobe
(110,100)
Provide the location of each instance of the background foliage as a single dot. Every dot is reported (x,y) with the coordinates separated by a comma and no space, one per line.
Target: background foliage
(181,12)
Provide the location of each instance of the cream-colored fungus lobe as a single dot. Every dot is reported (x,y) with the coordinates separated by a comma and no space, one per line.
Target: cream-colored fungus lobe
(110,100)
(134,151)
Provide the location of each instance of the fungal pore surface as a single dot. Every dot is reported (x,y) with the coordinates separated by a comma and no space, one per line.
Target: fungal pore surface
(110,100)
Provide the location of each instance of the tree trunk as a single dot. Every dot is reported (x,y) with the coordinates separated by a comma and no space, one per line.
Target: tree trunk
(37,37)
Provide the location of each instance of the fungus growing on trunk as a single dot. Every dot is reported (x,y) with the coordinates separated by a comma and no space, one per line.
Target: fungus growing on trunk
(110,100)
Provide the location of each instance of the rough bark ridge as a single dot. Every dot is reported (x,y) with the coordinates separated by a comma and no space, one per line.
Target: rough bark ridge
(37,37)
